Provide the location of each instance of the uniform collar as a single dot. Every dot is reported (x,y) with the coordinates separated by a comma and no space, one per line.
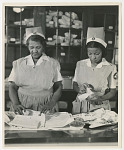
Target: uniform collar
(102,63)
(30,61)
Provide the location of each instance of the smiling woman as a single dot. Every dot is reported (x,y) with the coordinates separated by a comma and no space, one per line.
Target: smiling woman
(35,80)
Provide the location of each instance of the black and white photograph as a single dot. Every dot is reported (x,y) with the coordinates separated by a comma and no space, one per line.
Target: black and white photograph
(61,74)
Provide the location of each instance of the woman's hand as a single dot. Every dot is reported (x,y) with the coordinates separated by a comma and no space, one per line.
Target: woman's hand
(94,99)
(48,107)
(18,108)
(83,88)
(13,94)
(55,97)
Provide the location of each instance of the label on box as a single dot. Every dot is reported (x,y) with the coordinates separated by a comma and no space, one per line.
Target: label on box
(110,27)
(49,39)
(62,54)
(12,39)
(109,42)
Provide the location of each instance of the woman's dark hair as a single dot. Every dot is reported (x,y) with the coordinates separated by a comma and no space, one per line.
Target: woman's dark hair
(36,38)
(94,44)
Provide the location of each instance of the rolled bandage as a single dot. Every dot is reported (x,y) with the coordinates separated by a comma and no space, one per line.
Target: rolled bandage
(67,14)
(61,21)
(65,18)
(60,13)
(74,15)
(77,22)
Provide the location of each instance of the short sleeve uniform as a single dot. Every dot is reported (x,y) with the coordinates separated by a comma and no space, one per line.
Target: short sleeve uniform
(35,82)
(100,77)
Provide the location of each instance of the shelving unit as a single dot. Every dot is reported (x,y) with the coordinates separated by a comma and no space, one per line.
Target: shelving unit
(16,20)
(64,35)
(65,29)
(108,18)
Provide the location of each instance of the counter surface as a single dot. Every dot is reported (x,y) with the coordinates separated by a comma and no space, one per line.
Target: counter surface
(107,134)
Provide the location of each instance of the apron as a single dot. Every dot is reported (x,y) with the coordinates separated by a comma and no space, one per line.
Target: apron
(35,84)
(98,78)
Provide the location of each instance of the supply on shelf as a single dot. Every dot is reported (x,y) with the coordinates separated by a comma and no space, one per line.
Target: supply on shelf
(26,22)
(64,40)
(65,20)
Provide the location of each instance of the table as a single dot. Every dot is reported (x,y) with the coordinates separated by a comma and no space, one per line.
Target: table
(104,135)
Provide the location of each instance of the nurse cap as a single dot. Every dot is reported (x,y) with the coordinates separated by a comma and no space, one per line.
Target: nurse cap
(34,31)
(96,34)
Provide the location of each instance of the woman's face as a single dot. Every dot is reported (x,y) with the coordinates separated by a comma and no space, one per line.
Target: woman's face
(36,49)
(95,55)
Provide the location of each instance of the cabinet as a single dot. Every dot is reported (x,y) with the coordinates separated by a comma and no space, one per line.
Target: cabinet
(16,20)
(108,18)
(64,36)
(65,29)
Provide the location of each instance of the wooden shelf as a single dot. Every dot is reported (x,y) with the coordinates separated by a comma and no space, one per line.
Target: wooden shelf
(62,28)
(14,44)
(17,26)
(25,7)
(111,48)
(108,30)
(71,90)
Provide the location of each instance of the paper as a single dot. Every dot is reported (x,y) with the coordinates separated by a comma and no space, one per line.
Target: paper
(6,119)
(101,122)
(58,120)
(30,112)
(31,122)
(85,95)
(99,117)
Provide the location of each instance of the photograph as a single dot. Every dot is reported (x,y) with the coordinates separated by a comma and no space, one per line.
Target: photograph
(61,74)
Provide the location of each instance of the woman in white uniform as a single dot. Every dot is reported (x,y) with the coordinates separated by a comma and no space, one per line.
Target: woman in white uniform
(35,80)
(95,73)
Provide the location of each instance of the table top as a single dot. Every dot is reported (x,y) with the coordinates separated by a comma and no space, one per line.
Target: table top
(86,135)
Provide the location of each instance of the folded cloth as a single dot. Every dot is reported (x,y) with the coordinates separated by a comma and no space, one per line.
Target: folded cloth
(85,95)
(100,116)
(31,122)
(58,119)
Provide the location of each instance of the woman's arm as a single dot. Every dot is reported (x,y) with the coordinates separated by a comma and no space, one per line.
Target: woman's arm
(13,88)
(13,94)
(57,91)
(76,87)
(98,99)
(82,89)
(56,95)
(109,95)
